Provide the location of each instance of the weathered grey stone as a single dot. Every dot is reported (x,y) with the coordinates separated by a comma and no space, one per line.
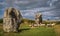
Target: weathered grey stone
(38,18)
(12,19)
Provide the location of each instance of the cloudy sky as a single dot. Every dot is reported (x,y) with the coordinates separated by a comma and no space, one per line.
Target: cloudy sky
(50,9)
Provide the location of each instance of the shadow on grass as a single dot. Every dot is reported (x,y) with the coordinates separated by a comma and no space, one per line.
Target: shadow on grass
(25,29)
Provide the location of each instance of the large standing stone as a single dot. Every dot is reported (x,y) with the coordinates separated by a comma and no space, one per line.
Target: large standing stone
(38,18)
(11,20)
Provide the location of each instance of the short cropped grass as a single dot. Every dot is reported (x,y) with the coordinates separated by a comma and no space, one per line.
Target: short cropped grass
(25,30)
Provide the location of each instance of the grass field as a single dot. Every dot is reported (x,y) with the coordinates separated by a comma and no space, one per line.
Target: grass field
(25,30)
(57,30)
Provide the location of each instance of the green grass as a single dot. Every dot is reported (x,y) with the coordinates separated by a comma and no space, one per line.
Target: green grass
(27,31)
(38,32)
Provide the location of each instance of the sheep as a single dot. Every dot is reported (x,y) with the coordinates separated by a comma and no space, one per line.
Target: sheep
(42,24)
(51,25)
(30,25)
(35,25)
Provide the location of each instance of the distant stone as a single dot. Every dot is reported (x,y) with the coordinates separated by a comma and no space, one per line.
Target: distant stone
(38,18)
(11,20)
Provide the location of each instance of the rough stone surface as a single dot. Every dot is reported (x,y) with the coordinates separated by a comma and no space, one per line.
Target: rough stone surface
(11,20)
(38,18)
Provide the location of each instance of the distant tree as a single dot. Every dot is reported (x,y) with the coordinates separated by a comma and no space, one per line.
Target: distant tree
(1,20)
(48,19)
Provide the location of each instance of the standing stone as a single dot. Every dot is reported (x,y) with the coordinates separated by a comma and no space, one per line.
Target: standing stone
(12,19)
(38,18)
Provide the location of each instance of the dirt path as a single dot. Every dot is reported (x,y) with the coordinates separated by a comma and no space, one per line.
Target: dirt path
(57,30)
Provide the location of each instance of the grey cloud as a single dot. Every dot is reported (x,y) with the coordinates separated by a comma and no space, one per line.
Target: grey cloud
(49,8)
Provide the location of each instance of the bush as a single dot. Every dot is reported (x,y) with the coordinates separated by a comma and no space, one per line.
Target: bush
(1,20)
(57,22)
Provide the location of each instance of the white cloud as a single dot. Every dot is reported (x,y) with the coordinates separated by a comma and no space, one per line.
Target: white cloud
(29,14)
(21,2)
(38,9)
(57,17)
(48,13)
(51,2)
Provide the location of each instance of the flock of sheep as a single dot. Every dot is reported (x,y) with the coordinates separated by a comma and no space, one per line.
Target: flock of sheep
(48,25)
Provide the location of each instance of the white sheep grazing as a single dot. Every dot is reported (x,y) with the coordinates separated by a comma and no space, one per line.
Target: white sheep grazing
(42,24)
(53,24)
(35,25)
(50,25)
(30,25)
